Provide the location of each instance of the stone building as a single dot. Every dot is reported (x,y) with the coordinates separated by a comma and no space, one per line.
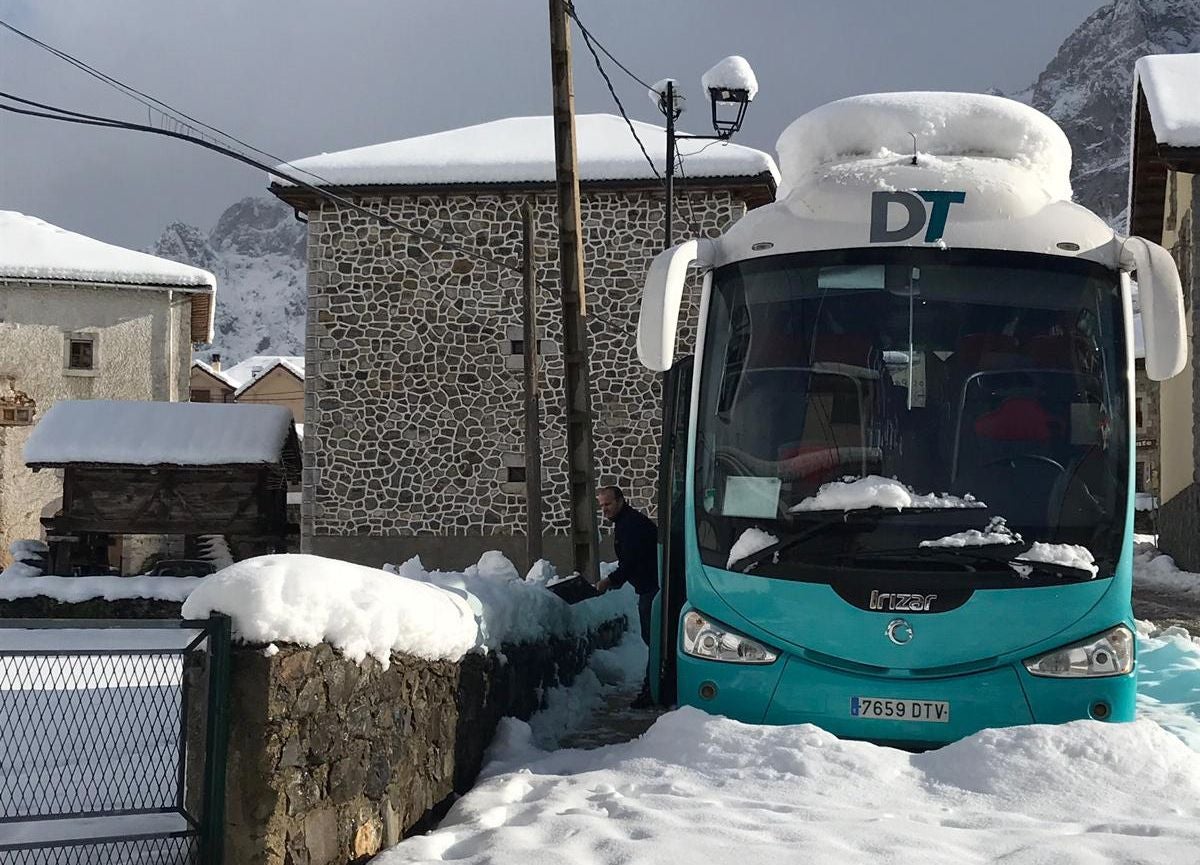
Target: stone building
(82,319)
(414,406)
(1163,207)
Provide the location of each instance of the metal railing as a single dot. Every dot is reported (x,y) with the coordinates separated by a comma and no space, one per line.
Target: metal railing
(112,741)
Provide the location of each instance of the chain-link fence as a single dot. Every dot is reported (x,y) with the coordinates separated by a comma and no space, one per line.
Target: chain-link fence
(112,741)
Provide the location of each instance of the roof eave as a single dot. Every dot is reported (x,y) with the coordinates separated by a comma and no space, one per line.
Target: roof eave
(759,188)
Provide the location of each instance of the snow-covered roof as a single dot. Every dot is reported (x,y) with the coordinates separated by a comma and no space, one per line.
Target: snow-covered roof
(32,249)
(250,370)
(215,373)
(132,432)
(1170,82)
(521,150)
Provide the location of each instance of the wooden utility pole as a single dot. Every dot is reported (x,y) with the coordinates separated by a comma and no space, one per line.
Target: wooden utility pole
(580,464)
(533,399)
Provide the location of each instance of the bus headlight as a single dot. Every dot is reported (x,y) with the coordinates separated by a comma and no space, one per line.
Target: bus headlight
(1107,654)
(704,638)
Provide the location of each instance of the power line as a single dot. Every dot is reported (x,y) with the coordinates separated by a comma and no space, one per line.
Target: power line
(66,116)
(587,40)
(588,36)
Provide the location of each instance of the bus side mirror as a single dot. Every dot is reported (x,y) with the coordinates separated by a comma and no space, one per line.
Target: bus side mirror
(1161,298)
(661,299)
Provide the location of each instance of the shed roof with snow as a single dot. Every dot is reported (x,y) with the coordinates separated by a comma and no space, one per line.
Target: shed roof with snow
(32,250)
(1165,136)
(137,433)
(519,151)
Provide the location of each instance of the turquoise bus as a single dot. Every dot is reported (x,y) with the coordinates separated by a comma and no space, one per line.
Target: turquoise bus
(896,485)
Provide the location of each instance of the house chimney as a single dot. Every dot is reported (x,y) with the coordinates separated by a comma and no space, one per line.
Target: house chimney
(216,362)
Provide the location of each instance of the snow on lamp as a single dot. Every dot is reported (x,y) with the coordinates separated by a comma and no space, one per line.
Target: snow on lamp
(731,87)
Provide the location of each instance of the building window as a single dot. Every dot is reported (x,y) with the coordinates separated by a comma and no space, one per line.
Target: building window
(201,395)
(16,416)
(516,474)
(81,352)
(1142,477)
(1141,424)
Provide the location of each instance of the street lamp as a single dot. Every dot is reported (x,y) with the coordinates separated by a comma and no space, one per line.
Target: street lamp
(731,87)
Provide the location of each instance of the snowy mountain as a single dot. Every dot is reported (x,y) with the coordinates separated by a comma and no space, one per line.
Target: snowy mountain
(256,251)
(1087,88)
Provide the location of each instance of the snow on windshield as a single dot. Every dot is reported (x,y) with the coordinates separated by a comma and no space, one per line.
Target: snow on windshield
(995,532)
(749,543)
(1067,555)
(873,491)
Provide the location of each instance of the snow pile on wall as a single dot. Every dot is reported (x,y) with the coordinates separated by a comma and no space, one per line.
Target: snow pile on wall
(874,491)
(365,611)
(1170,82)
(27,559)
(1018,155)
(75,590)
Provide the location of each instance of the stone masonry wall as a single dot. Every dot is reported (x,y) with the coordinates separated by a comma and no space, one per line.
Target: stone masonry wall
(331,761)
(414,395)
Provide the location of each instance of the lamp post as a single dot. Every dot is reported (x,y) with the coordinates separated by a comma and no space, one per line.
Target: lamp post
(731,87)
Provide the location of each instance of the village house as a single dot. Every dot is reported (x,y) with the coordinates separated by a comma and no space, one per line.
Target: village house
(1164,204)
(81,319)
(414,408)
(262,379)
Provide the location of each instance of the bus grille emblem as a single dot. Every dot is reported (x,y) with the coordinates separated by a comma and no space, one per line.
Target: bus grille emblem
(894,601)
(899,631)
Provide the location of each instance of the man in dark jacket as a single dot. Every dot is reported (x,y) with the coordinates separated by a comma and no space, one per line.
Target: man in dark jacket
(636,541)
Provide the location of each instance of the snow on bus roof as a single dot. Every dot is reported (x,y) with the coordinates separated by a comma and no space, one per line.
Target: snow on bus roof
(132,432)
(31,248)
(1170,82)
(876,133)
(521,149)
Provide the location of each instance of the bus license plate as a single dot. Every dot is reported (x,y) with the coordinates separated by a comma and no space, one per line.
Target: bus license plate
(936,711)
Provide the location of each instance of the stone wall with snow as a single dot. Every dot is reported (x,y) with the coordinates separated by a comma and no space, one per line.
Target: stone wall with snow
(415,410)
(331,760)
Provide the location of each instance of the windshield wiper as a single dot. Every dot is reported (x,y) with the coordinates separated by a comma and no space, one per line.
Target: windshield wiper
(744,564)
(1002,554)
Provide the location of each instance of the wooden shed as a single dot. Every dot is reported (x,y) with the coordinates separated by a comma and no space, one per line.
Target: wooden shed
(165,469)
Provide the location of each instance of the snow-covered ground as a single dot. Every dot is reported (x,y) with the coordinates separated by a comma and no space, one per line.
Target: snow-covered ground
(699,788)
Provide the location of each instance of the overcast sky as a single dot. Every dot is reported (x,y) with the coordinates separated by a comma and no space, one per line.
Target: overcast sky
(299,77)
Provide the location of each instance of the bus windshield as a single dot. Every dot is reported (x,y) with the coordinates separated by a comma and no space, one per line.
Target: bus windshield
(987,384)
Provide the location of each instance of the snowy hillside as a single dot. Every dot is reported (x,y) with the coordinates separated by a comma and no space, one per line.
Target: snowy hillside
(1087,89)
(256,251)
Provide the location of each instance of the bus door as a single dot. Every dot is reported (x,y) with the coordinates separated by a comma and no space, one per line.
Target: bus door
(672,482)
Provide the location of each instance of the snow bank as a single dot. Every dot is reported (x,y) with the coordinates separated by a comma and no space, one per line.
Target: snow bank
(1168,679)
(1170,82)
(521,149)
(975,141)
(874,491)
(750,542)
(995,532)
(136,432)
(33,249)
(732,73)
(1155,570)
(726,792)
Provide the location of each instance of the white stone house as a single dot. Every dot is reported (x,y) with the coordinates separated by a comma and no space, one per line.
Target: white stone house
(82,319)
(1164,205)
(414,412)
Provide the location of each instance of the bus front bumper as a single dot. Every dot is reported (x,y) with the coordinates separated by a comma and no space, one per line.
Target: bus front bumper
(795,691)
